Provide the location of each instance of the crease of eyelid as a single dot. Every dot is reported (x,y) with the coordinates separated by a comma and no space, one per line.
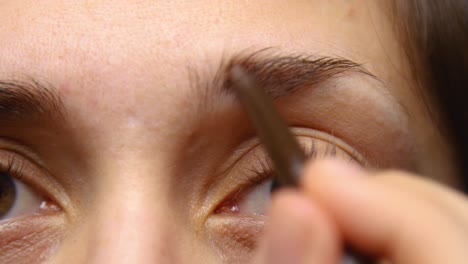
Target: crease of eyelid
(298,132)
(353,153)
(46,184)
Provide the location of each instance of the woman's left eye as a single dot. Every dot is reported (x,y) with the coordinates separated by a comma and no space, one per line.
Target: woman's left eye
(256,174)
(254,200)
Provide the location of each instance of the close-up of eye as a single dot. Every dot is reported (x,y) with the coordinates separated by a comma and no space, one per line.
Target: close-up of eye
(243,213)
(16,197)
(256,170)
(29,215)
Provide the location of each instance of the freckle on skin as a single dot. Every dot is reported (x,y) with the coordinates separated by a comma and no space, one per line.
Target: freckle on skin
(351,13)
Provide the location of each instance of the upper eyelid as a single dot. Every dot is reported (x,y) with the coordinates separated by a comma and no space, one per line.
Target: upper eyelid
(297,131)
(252,145)
(312,145)
(360,158)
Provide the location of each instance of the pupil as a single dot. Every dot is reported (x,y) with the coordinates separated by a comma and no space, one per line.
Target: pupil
(7,194)
(274,185)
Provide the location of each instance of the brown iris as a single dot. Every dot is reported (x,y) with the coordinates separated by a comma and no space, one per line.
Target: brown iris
(7,194)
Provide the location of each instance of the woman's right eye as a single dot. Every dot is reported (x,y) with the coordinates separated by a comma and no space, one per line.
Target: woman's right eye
(18,199)
(7,194)
(32,209)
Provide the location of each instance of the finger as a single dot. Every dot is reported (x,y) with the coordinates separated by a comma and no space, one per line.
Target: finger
(384,219)
(453,202)
(299,233)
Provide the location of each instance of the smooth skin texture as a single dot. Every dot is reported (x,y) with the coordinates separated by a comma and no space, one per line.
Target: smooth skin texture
(142,156)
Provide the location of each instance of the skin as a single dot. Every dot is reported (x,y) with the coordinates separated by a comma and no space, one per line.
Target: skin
(392,215)
(132,169)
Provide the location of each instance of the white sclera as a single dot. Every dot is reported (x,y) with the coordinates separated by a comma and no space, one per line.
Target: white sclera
(257,199)
(27,201)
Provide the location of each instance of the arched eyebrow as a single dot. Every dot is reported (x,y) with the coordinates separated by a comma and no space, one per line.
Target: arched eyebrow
(25,99)
(282,75)
(279,74)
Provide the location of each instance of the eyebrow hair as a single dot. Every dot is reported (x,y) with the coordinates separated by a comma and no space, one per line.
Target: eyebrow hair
(282,75)
(28,98)
(278,74)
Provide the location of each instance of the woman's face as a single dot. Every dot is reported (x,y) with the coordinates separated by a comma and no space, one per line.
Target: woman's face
(125,148)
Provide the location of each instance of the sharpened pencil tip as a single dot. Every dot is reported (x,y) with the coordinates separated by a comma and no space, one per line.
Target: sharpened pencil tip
(241,79)
(237,74)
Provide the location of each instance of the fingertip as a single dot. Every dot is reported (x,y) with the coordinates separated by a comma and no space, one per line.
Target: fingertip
(317,170)
(334,166)
(340,188)
(291,201)
(299,230)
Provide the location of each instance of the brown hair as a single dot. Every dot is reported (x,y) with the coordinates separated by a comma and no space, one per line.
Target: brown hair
(436,36)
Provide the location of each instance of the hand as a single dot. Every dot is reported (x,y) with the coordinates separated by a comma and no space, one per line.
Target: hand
(392,215)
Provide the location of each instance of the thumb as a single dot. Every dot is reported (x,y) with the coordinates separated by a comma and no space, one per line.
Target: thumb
(391,214)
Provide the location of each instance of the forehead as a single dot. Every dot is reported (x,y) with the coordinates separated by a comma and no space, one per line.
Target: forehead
(99,48)
(112,60)
(83,32)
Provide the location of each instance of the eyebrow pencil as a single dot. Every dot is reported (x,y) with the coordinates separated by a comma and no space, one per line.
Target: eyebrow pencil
(283,149)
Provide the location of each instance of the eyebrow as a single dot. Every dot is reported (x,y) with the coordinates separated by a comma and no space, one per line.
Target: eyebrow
(24,99)
(279,75)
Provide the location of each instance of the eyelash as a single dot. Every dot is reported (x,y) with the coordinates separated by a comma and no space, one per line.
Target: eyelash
(311,152)
(12,167)
(251,177)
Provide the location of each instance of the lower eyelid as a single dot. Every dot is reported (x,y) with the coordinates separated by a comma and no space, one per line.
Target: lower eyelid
(30,239)
(236,234)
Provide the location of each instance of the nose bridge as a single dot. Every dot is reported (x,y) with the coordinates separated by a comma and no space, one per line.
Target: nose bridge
(128,233)
(130,220)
